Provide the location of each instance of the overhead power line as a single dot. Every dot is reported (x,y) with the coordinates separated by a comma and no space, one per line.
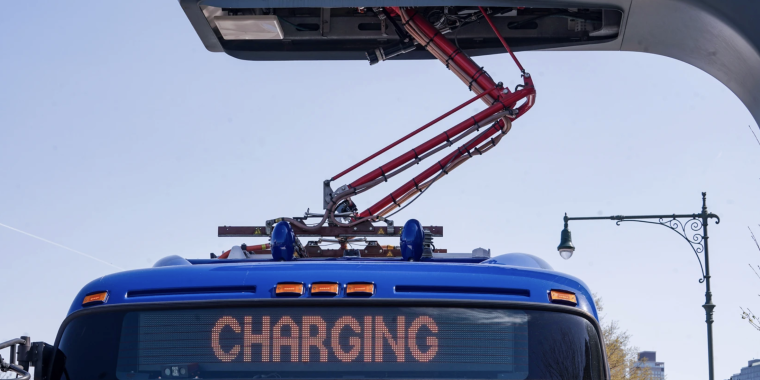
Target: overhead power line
(61,246)
(753,133)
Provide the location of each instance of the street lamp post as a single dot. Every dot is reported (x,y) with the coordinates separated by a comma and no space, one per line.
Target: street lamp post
(692,225)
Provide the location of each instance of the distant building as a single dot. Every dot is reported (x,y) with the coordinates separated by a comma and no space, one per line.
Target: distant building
(648,359)
(751,371)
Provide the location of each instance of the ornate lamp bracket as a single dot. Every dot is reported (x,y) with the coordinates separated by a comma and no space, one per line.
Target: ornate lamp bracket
(690,227)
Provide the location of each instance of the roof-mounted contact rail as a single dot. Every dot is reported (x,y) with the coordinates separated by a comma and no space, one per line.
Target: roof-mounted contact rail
(344,237)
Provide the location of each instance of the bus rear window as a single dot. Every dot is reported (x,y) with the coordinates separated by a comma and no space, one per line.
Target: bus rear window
(331,343)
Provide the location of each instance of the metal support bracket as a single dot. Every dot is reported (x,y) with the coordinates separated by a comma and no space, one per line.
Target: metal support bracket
(327,194)
(364,229)
(679,226)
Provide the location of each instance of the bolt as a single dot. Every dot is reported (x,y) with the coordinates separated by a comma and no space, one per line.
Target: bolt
(372,228)
(355,228)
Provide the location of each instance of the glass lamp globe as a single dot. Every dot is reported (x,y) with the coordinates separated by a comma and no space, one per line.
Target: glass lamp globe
(566,253)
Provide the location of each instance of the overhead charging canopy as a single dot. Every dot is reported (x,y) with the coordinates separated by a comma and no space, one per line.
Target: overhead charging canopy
(721,37)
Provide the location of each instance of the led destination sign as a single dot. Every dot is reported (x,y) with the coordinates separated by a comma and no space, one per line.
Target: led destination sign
(367,337)
(328,339)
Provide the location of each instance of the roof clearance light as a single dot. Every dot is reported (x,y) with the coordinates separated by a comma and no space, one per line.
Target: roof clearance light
(289,289)
(324,289)
(360,289)
(561,296)
(95,298)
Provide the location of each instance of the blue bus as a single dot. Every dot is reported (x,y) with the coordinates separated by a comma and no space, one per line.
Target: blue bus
(283,310)
(507,317)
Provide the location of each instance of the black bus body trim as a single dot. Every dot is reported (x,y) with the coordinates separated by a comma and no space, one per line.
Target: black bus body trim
(336,302)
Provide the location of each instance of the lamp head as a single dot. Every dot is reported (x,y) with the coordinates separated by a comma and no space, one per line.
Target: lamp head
(566,247)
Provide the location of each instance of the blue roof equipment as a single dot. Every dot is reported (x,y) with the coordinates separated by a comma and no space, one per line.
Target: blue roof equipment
(412,239)
(283,242)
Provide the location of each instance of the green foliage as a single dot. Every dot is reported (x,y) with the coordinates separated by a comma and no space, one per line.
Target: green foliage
(621,356)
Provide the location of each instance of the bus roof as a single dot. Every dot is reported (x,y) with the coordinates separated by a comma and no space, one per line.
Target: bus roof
(510,277)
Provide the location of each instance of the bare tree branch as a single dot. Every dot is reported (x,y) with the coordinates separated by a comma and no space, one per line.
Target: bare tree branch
(748,314)
(753,269)
(753,237)
(751,318)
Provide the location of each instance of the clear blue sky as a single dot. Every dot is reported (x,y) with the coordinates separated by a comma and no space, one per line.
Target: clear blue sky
(122,137)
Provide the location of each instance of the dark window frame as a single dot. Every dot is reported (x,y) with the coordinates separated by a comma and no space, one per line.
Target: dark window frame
(213,304)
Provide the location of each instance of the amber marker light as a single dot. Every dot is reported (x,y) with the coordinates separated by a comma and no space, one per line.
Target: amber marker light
(562,296)
(95,298)
(324,289)
(289,289)
(360,289)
